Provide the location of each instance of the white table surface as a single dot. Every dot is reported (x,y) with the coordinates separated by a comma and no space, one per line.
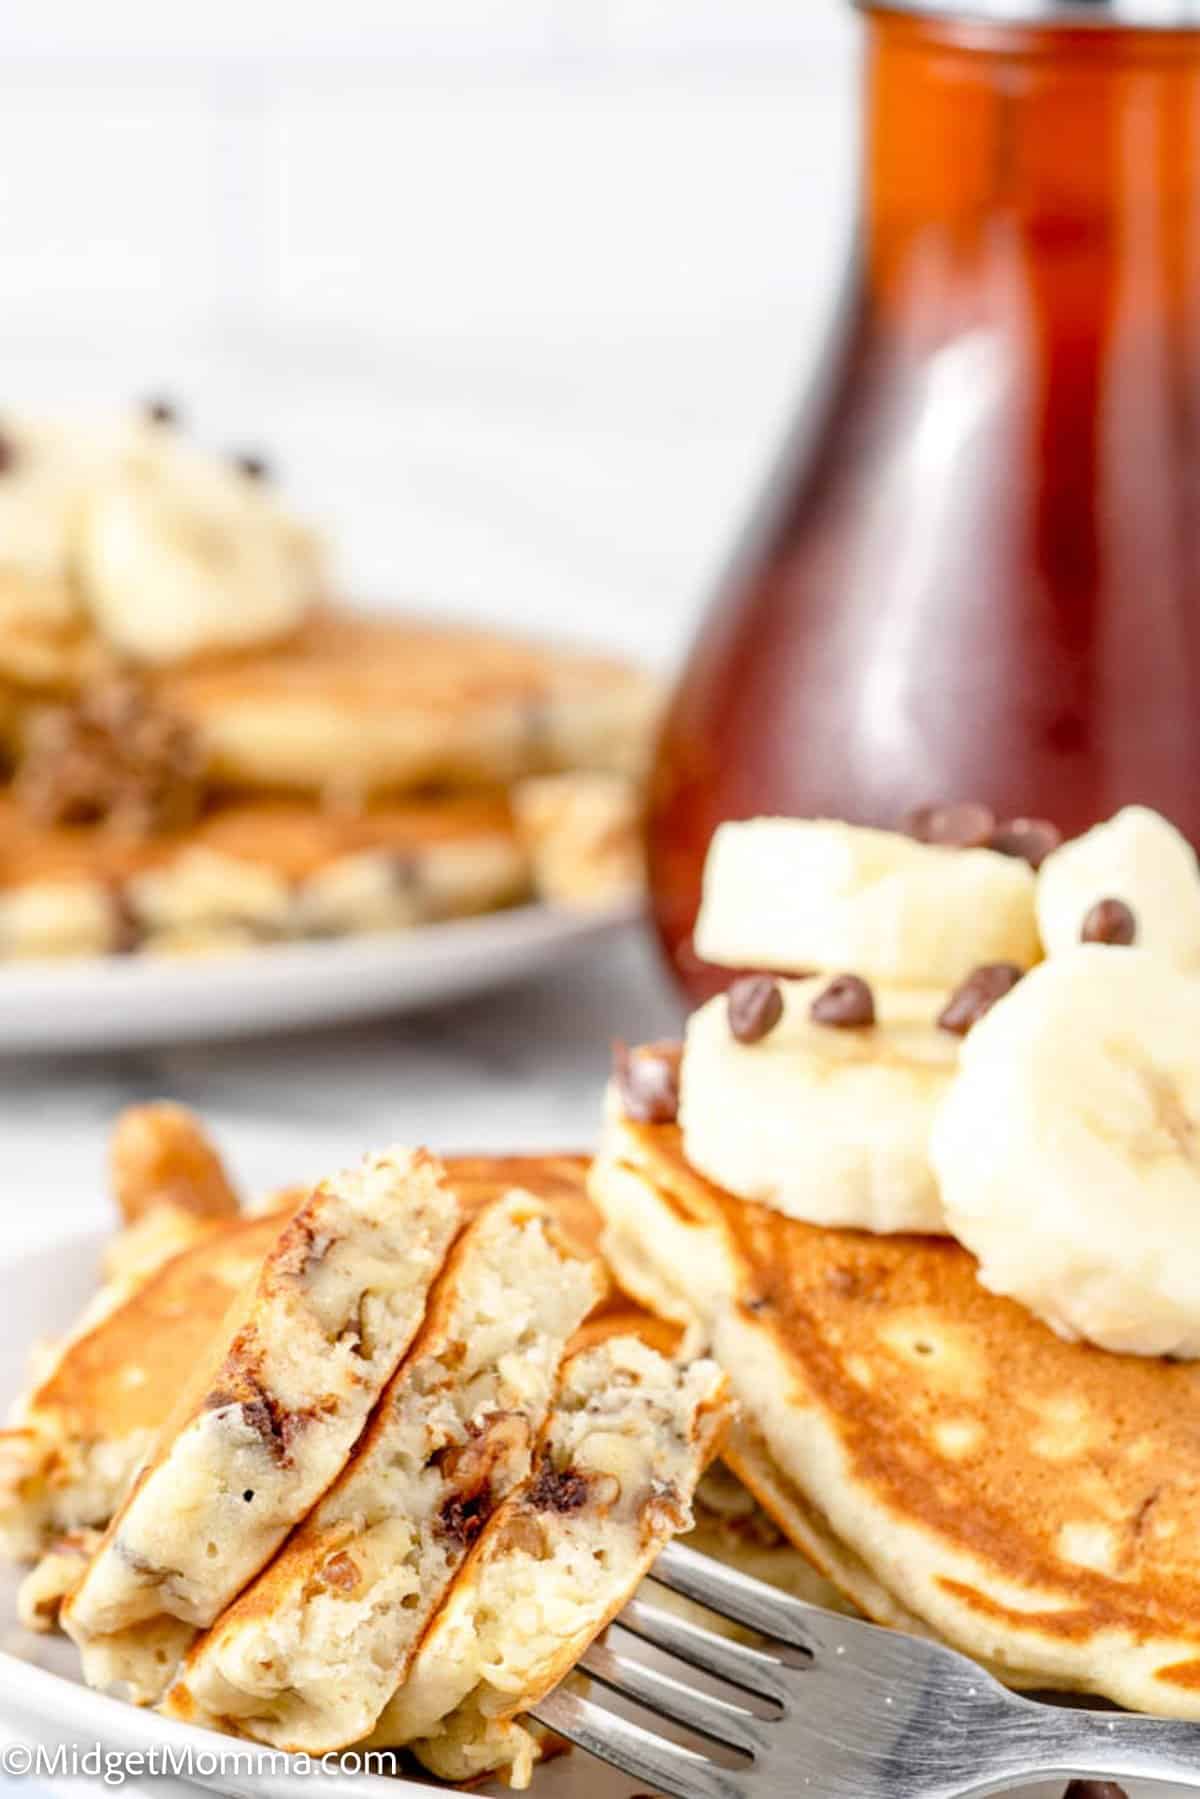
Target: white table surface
(520,1069)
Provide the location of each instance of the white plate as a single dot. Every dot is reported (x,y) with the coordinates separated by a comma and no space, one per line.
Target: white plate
(42,1699)
(115,1001)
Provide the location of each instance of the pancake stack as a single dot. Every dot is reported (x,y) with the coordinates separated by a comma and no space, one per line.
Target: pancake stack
(207,752)
(394,1454)
(980,1439)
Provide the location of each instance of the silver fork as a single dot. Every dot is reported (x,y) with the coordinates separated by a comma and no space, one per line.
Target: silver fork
(858,1712)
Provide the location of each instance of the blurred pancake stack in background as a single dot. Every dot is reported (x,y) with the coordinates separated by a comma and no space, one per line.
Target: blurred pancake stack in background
(204,749)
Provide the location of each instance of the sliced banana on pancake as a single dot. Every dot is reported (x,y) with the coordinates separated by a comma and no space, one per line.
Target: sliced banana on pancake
(823,1123)
(181,554)
(1139,859)
(1068,1149)
(796,894)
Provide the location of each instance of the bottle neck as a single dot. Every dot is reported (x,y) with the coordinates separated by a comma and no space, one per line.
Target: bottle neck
(1004,163)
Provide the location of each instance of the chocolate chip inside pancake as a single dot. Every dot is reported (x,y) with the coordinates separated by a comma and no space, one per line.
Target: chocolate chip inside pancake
(847,1004)
(158,410)
(977,995)
(755,1008)
(1109,921)
(1029,839)
(1095,1789)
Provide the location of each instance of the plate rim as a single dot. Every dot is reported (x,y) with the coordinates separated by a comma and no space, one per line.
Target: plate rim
(77,1004)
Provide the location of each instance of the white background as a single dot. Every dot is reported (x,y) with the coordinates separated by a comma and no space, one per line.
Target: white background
(519,291)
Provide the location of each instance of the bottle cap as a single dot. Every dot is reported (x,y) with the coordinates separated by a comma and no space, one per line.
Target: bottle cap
(1151,15)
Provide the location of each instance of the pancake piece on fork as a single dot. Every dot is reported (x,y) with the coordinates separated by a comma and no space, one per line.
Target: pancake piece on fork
(269,1417)
(630,1433)
(941,1455)
(309,1654)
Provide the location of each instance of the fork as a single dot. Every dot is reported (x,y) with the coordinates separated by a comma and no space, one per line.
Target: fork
(857,1712)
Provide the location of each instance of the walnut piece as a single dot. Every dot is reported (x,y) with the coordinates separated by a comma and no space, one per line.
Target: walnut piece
(114,758)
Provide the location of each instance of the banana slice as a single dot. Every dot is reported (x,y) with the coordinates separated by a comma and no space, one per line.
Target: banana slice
(1138,857)
(45,471)
(797,895)
(1068,1149)
(180,554)
(825,1124)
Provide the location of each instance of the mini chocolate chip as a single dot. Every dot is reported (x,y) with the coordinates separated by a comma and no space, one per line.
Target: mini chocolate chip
(1095,1789)
(554,1490)
(1109,921)
(255,468)
(248,1495)
(1029,839)
(463,1515)
(160,411)
(847,1004)
(128,933)
(755,1007)
(977,995)
(966,826)
(648,1082)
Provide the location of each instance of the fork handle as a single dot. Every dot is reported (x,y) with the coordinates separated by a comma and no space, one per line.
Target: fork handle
(1060,1741)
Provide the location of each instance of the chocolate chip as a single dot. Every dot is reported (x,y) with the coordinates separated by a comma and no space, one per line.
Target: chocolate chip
(1095,1789)
(127,931)
(1029,839)
(555,1491)
(847,1004)
(463,1516)
(248,1495)
(966,826)
(160,411)
(271,1423)
(648,1082)
(1109,921)
(255,468)
(977,995)
(755,1007)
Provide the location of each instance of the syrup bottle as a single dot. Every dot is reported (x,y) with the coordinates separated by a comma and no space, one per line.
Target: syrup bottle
(976,572)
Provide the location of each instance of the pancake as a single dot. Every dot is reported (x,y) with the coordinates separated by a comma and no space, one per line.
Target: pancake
(310,1653)
(251,872)
(732,1526)
(267,1418)
(47,643)
(51,1581)
(630,1434)
(82,1429)
(366,703)
(583,833)
(950,1462)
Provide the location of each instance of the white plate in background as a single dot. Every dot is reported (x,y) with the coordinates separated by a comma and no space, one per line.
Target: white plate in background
(115,1002)
(43,1700)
